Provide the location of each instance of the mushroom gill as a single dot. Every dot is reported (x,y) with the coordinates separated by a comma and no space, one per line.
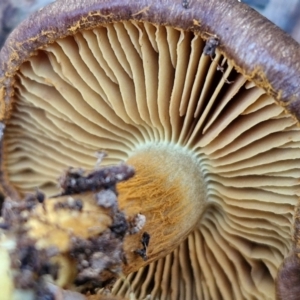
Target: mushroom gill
(216,158)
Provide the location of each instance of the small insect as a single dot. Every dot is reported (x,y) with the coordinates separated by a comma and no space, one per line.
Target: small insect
(145,242)
(211,45)
(185,4)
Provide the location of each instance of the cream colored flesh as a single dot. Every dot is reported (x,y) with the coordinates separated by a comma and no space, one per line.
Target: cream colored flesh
(126,85)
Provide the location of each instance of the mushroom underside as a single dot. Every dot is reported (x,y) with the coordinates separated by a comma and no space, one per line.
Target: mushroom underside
(130,87)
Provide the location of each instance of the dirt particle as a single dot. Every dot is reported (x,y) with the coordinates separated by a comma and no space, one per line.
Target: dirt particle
(145,242)
(70,203)
(74,181)
(106,198)
(185,4)
(120,225)
(210,46)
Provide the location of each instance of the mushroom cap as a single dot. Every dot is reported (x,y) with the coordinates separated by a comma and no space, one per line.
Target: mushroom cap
(131,77)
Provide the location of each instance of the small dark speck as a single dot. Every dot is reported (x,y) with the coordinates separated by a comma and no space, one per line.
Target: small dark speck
(145,242)
(210,46)
(145,239)
(185,4)
(40,196)
(4,226)
(78,205)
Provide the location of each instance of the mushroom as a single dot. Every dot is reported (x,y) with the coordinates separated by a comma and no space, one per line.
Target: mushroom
(200,97)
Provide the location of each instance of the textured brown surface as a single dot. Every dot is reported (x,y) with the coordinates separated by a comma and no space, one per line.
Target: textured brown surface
(258,48)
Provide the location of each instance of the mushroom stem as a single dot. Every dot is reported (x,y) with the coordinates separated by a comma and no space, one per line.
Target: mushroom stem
(169,189)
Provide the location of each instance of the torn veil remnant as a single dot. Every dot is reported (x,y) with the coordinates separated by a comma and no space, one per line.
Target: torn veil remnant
(69,242)
(217,165)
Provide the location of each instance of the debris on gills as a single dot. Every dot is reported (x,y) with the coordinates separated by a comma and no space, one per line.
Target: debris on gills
(75,181)
(69,243)
(145,242)
(211,45)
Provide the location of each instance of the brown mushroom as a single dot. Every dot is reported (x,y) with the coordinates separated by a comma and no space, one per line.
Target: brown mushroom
(213,138)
